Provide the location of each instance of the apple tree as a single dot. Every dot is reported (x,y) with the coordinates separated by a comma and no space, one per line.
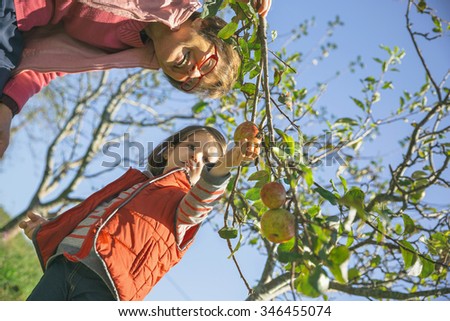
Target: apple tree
(368,228)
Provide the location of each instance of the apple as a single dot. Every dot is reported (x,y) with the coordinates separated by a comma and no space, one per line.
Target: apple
(278,225)
(247,130)
(273,195)
(248,137)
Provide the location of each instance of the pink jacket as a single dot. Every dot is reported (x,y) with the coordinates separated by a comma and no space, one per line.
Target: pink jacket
(69,36)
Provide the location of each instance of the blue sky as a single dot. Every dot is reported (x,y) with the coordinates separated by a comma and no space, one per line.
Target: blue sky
(206,273)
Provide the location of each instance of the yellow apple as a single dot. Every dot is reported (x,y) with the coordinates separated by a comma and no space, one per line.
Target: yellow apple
(278,225)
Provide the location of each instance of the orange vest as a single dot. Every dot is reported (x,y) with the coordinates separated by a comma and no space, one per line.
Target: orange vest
(135,238)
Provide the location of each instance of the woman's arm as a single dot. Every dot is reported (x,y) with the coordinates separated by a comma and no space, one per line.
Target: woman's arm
(26,84)
(16,93)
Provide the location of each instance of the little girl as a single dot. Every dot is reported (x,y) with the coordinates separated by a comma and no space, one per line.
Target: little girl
(120,241)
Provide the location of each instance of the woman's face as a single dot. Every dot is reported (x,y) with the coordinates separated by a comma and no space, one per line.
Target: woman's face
(180,52)
(193,154)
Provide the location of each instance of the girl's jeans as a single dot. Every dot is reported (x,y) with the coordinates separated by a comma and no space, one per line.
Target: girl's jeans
(70,281)
(11,43)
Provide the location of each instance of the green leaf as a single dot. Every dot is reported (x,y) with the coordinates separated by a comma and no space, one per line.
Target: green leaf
(378,60)
(253,194)
(346,121)
(375,261)
(199,107)
(249,88)
(277,77)
(344,183)
(424,89)
(354,198)
(380,231)
(428,267)
(289,142)
(259,175)
(308,175)
(350,238)
(353,274)
(251,65)
(405,181)
(320,233)
(437,23)
(303,285)
(319,280)
(402,101)
(287,246)
(210,8)
(211,120)
(422,6)
(330,197)
(408,223)
(286,253)
(409,257)
(313,210)
(339,255)
(244,48)
(338,263)
(228,31)
(358,103)
(419,174)
(407,95)
(228,232)
(388,85)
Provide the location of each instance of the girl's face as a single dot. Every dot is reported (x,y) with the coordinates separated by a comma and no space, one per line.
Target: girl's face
(193,153)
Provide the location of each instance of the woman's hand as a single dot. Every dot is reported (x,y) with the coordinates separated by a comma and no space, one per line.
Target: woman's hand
(261,6)
(29,226)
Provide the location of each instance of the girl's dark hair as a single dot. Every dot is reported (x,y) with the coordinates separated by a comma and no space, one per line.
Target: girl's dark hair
(227,70)
(156,160)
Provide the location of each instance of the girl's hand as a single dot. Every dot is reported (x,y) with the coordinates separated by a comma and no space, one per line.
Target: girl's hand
(29,226)
(243,151)
(247,141)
